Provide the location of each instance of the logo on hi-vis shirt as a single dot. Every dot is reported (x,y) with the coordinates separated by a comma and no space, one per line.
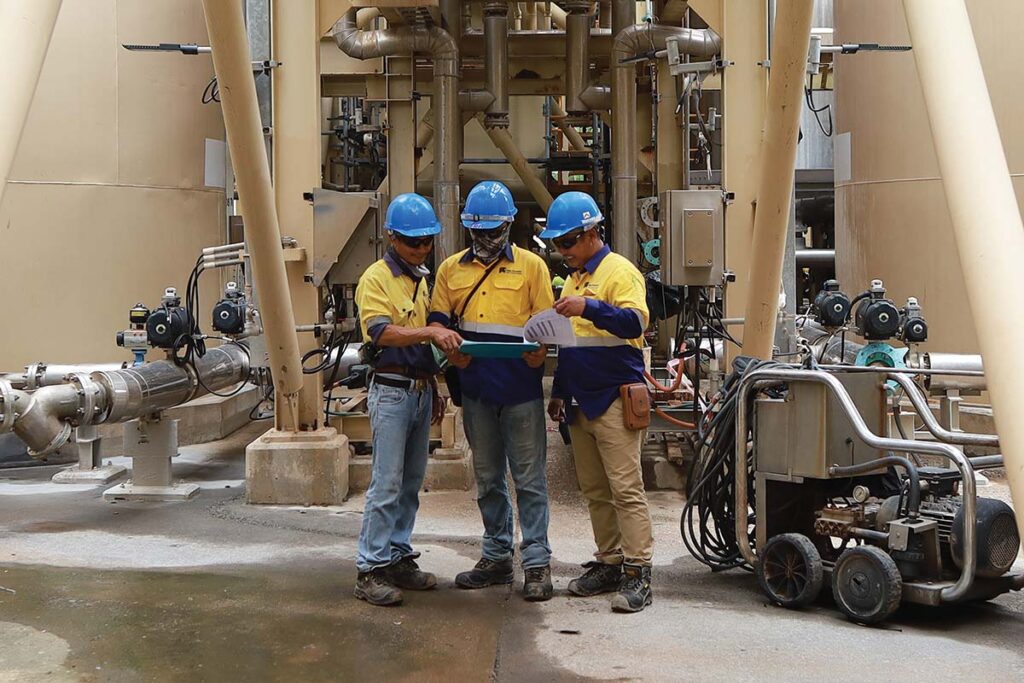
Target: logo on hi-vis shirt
(510,271)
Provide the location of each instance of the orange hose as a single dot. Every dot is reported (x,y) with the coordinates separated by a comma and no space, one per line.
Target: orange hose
(665,416)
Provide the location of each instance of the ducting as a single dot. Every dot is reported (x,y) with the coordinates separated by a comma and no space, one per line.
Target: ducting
(441,46)
(630,42)
(43,419)
(496,61)
(577,59)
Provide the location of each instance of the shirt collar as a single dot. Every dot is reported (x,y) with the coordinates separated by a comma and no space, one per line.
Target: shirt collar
(595,260)
(507,252)
(397,268)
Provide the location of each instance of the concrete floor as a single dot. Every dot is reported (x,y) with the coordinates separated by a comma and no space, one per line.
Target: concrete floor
(216,590)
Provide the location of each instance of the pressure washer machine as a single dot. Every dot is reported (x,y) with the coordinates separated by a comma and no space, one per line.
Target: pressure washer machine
(798,480)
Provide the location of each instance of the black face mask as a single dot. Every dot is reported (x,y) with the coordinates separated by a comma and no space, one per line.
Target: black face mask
(488,244)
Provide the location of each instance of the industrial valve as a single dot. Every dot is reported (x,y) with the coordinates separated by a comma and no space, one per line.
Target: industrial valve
(229,312)
(169,322)
(877,317)
(914,328)
(135,338)
(831,306)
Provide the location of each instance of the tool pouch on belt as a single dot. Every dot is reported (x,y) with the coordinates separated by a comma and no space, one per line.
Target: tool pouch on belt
(636,405)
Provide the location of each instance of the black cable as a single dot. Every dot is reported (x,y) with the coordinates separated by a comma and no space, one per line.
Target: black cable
(809,97)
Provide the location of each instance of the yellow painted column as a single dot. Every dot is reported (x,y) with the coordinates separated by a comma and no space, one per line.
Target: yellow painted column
(296,115)
(777,166)
(986,219)
(25,30)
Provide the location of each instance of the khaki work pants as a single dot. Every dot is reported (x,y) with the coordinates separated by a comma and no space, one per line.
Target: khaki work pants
(607,459)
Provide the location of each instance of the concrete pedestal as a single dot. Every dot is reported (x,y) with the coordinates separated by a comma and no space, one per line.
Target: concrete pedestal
(306,468)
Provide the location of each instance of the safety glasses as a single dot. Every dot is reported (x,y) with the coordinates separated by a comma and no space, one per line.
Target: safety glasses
(567,242)
(415,242)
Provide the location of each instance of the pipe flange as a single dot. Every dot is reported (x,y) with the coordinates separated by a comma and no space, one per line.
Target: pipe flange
(496,120)
(89,393)
(34,375)
(577,6)
(57,442)
(7,413)
(496,8)
(648,207)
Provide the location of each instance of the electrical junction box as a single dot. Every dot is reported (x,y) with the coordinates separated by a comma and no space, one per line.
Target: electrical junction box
(692,225)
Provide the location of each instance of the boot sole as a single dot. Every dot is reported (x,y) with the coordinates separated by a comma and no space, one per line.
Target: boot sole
(363,595)
(538,598)
(409,587)
(497,581)
(584,594)
(626,609)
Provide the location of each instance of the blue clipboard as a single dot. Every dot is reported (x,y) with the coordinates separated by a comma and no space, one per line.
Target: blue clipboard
(497,349)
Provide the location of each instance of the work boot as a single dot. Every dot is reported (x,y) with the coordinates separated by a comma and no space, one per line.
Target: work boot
(375,588)
(406,574)
(599,578)
(486,573)
(635,591)
(537,584)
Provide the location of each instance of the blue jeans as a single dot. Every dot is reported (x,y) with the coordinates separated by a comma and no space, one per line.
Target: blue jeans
(512,437)
(400,419)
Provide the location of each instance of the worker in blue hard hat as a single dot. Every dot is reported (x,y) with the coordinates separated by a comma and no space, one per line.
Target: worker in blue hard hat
(393,302)
(489,291)
(605,297)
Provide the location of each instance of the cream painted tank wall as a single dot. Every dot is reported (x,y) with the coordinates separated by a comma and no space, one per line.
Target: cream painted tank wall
(107,203)
(891,216)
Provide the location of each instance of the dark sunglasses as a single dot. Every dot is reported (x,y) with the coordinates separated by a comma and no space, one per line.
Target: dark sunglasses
(566,242)
(415,242)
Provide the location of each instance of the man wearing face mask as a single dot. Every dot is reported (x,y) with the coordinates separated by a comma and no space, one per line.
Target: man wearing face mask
(393,304)
(491,290)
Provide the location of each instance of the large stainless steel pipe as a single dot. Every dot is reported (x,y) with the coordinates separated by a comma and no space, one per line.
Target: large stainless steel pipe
(577,59)
(25,30)
(38,375)
(43,419)
(777,165)
(835,387)
(630,41)
(232,61)
(441,46)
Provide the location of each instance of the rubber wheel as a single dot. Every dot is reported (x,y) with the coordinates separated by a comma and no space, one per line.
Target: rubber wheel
(866,584)
(789,570)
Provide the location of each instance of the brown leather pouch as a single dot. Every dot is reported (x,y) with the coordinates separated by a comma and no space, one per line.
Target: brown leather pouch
(636,405)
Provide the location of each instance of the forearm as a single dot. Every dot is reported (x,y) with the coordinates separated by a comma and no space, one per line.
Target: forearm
(622,322)
(393,335)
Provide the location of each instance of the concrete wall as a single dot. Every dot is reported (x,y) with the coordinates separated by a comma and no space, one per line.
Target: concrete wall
(107,203)
(892,220)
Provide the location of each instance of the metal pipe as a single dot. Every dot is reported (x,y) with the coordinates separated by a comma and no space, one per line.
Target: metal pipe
(445,56)
(470,101)
(806,258)
(503,141)
(924,411)
(529,22)
(955,362)
(41,374)
(777,165)
(558,115)
(43,419)
(496,60)
(630,41)
(232,64)
(785,374)
(577,60)
(985,462)
(597,97)
(25,30)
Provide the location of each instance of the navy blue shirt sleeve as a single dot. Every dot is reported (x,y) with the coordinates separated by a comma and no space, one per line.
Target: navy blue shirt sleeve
(376,330)
(436,317)
(624,323)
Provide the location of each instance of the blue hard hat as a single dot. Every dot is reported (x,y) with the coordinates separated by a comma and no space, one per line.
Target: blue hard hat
(411,215)
(489,205)
(571,211)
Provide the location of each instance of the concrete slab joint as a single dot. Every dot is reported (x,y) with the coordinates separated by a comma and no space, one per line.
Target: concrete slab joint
(304,468)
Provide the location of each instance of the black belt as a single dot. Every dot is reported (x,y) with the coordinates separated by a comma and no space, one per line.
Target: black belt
(405,383)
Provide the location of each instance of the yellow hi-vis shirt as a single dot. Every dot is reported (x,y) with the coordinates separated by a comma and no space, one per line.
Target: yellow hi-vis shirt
(516,289)
(609,334)
(386,295)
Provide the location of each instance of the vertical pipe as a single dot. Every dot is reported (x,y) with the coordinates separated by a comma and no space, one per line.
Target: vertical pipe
(986,219)
(604,17)
(530,16)
(25,30)
(577,36)
(777,166)
(496,59)
(624,151)
(447,134)
(231,61)
(453,21)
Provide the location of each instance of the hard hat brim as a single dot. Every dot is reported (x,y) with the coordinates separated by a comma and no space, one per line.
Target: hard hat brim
(483,225)
(434,229)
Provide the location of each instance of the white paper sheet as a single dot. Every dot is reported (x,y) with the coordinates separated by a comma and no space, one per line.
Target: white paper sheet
(549,327)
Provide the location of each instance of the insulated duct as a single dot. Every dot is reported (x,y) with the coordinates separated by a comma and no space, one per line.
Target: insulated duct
(401,40)
(630,41)
(43,419)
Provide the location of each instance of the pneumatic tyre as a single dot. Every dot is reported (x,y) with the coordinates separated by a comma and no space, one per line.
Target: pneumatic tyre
(789,570)
(866,584)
